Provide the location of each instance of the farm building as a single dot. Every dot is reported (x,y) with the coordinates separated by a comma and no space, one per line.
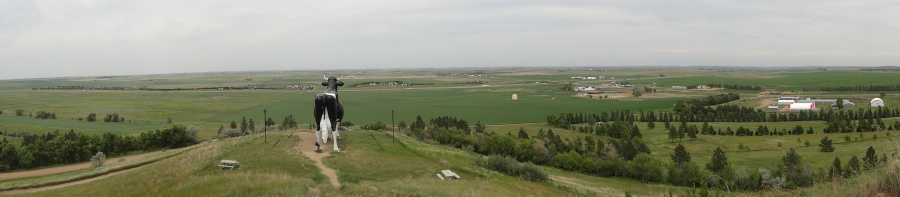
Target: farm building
(702,87)
(876,102)
(586,89)
(785,102)
(818,101)
(773,107)
(679,87)
(802,106)
(846,104)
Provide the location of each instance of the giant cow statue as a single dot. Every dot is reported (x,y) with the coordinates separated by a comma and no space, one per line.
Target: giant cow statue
(328,112)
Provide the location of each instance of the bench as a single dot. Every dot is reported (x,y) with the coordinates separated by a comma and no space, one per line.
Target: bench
(450,174)
(230,164)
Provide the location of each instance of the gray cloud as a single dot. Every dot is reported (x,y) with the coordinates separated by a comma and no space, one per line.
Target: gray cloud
(74,38)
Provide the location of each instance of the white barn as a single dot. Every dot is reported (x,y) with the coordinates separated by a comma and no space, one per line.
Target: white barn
(785,102)
(876,102)
(802,106)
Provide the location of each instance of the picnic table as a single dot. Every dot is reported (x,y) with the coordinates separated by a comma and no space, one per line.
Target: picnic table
(230,164)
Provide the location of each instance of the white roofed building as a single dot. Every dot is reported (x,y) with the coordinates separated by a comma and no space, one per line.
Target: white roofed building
(802,106)
(876,102)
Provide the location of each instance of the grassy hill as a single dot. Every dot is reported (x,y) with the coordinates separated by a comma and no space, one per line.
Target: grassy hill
(406,168)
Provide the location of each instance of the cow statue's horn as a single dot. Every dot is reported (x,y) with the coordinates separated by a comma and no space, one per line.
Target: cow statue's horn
(342,76)
(326,77)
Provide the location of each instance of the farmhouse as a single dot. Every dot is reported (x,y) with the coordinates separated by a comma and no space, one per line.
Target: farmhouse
(876,102)
(702,87)
(678,87)
(802,106)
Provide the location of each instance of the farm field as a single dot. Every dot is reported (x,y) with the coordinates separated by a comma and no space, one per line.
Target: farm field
(280,170)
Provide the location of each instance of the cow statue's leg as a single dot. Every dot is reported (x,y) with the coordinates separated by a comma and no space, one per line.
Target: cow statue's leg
(326,126)
(336,135)
(339,115)
(319,115)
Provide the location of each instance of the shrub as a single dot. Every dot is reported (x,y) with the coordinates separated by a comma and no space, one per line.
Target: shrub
(229,133)
(374,126)
(511,167)
(98,160)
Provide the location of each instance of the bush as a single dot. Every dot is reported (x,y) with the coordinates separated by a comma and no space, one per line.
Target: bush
(229,133)
(511,167)
(98,160)
(374,126)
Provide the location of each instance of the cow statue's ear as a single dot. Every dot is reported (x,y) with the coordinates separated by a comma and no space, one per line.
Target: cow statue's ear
(340,83)
(325,83)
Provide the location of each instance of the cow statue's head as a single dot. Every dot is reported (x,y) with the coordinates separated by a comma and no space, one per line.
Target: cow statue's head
(333,83)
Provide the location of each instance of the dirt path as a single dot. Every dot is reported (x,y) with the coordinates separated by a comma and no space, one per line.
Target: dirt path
(307,147)
(73,167)
(765,102)
(37,189)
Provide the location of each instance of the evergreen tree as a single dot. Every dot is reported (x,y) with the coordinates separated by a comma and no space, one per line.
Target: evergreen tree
(252,126)
(270,122)
(244,124)
(840,104)
(522,133)
(871,159)
(853,166)
(672,134)
(650,125)
(825,145)
(233,125)
(479,128)
(719,162)
(402,125)
(681,155)
(418,125)
(836,169)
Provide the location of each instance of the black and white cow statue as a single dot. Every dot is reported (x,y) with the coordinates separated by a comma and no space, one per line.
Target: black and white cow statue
(329,112)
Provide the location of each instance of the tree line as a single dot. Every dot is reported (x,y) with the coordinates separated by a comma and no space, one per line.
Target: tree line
(734,87)
(854,88)
(733,113)
(57,148)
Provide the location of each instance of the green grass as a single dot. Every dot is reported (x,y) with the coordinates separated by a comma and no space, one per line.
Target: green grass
(10,123)
(764,150)
(264,170)
(490,105)
(84,173)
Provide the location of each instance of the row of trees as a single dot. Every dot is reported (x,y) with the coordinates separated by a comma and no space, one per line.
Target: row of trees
(692,106)
(733,113)
(566,120)
(56,148)
(855,88)
(734,87)
(45,115)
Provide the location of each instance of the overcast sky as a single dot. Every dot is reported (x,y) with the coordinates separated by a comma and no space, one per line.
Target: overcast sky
(89,38)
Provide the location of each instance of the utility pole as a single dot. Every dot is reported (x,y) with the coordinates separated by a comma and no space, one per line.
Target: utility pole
(392,126)
(265,126)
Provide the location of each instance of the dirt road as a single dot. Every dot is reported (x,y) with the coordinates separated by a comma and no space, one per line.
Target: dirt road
(69,168)
(307,147)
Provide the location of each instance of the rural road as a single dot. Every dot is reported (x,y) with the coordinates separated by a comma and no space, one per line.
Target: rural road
(307,147)
(69,168)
